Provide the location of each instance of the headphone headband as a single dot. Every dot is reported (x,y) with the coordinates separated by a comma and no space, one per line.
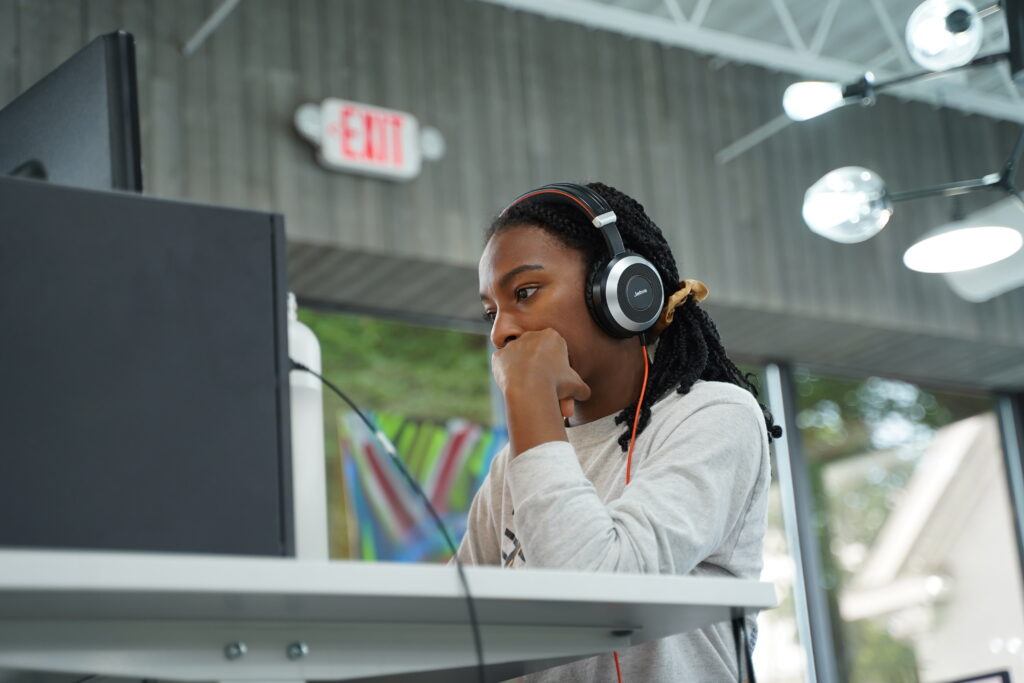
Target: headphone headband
(579,196)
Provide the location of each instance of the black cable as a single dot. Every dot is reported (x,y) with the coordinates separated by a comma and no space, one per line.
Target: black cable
(744,658)
(748,650)
(739,652)
(390,448)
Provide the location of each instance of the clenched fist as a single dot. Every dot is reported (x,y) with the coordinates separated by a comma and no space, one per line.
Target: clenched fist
(536,364)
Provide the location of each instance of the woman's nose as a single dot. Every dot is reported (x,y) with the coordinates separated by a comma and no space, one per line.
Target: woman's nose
(504,330)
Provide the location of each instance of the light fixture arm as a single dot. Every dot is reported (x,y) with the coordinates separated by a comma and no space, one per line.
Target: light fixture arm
(953,189)
(865,91)
(990,9)
(1004,180)
(984,60)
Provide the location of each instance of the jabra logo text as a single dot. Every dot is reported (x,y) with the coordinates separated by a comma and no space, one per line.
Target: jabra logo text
(642,291)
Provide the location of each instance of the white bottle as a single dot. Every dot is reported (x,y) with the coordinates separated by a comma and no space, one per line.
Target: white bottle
(309,483)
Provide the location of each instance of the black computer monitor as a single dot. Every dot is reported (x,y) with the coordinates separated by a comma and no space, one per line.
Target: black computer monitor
(144,388)
(79,125)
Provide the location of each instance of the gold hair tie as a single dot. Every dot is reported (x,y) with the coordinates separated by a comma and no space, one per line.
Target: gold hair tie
(687,288)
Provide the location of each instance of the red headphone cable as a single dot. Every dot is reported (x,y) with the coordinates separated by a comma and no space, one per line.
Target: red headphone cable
(629,458)
(636,416)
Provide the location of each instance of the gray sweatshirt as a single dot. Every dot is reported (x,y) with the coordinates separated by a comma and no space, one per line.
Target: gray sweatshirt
(696,505)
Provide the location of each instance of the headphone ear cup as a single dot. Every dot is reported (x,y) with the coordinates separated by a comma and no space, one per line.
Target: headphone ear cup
(597,296)
(593,293)
(625,295)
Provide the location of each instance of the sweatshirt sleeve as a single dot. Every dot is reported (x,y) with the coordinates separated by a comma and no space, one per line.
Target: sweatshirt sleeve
(481,544)
(687,493)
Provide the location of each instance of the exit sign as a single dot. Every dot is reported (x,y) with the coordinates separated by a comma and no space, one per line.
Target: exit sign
(361,138)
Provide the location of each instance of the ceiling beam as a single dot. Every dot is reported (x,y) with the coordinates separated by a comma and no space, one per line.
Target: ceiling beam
(699,12)
(828,16)
(752,139)
(792,32)
(889,28)
(211,24)
(675,11)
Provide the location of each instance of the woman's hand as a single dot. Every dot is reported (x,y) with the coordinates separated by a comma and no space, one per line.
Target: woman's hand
(539,386)
(537,362)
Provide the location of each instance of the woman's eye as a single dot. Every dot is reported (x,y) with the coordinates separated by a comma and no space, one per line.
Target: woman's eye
(521,294)
(524,293)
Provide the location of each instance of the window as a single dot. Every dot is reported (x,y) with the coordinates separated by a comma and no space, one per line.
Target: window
(429,391)
(913,519)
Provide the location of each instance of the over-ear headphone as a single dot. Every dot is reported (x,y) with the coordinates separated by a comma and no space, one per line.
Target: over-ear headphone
(624,295)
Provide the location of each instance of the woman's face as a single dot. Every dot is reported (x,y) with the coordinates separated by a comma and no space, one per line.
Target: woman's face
(531,281)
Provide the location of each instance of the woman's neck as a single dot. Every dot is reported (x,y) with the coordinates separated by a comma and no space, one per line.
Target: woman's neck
(613,389)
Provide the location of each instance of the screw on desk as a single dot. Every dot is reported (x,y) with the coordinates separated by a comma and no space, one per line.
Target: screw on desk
(297,650)
(235,650)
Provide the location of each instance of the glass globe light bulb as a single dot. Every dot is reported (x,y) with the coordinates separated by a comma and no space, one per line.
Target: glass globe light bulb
(847,205)
(933,36)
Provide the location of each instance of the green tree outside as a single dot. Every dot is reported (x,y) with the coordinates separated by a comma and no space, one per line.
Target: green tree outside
(386,365)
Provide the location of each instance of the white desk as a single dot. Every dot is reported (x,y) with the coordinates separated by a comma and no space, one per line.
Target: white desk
(173,616)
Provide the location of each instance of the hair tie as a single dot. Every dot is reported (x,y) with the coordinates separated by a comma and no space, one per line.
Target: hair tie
(687,288)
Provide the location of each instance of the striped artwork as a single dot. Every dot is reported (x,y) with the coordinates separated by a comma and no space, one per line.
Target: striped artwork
(449,461)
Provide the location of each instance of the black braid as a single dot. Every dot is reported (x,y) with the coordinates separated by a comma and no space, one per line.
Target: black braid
(690,348)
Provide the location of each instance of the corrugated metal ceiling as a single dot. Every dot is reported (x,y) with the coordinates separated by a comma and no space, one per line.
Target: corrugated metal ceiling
(834,39)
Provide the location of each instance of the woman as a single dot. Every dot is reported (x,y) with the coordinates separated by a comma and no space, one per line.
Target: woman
(614,465)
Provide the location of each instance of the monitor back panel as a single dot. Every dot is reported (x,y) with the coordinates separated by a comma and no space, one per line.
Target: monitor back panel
(143,374)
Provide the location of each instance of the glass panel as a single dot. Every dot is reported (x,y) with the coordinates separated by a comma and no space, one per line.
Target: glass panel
(915,526)
(429,391)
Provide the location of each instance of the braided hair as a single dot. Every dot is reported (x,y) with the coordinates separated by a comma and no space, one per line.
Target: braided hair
(690,348)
